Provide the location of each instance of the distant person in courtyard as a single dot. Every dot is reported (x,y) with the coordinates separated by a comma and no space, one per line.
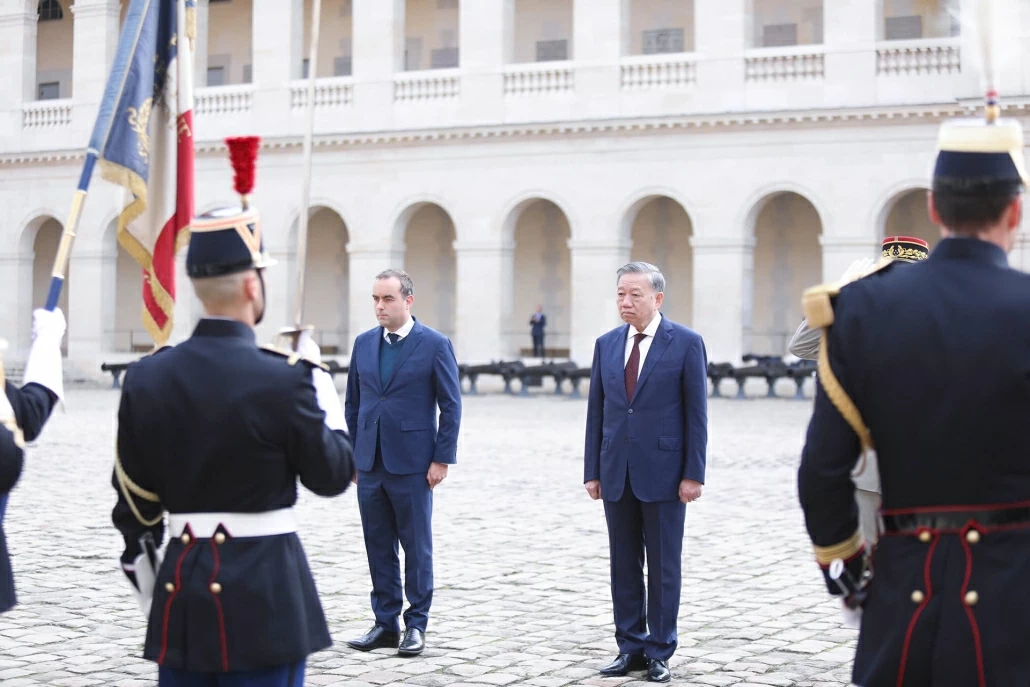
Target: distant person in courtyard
(645,456)
(401,373)
(23,413)
(805,344)
(217,431)
(537,323)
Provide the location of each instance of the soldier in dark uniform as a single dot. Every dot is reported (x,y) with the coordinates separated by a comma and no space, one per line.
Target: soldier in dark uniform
(216,431)
(24,411)
(926,369)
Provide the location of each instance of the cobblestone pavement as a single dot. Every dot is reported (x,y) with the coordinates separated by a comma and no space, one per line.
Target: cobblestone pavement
(522,594)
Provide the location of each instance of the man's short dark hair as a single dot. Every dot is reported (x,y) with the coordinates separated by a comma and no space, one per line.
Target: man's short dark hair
(967,206)
(407,287)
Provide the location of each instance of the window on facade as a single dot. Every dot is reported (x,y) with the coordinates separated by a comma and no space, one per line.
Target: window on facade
(214,2)
(547,51)
(305,69)
(216,76)
(412,54)
(663,41)
(782,23)
(49,10)
(542,30)
(342,66)
(444,58)
(248,73)
(774,35)
(908,20)
(446,4)
(50,91)
(903,28)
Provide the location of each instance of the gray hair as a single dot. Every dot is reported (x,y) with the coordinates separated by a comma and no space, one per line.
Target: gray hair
(407,286)
(654,275)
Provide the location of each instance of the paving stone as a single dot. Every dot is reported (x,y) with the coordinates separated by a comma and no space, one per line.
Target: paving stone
(521,562)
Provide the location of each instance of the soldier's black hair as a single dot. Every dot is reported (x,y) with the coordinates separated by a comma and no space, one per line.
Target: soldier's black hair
(967,206)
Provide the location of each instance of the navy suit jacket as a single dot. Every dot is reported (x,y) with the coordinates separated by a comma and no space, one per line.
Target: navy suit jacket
(403,411)
(661,438)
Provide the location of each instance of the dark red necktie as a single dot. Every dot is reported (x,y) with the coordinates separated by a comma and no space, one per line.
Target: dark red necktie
(633,366)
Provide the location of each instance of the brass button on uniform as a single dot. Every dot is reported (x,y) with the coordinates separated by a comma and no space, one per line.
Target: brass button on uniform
(169,587)
(917,597)
(925,536)
(185,538)
(972,536)
(220,538)
(216,588)
(971,598)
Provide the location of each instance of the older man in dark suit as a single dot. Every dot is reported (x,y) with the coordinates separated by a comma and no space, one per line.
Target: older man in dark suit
(646,443)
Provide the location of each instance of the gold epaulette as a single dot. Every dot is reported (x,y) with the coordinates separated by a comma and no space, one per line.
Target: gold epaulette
(845,550)
(817,304)
(292,357)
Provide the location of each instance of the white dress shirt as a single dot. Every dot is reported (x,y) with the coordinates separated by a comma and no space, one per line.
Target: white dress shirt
(402,332)
(645,344)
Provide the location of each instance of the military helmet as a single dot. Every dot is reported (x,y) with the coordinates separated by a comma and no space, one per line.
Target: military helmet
(227,240)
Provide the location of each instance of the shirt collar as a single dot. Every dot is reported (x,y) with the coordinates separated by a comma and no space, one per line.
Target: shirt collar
(650,330)
(403,331)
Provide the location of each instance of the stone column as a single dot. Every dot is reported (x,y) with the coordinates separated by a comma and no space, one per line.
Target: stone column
(600,31)
(278,43)
(850,39)
(378,54)
(840,251)
(594,308)
(200,49)
(487,34)
(95,42)
(366,261)
(723,283)
(85,313)
(722,28)
(15,278)
(17,62)
(484,299)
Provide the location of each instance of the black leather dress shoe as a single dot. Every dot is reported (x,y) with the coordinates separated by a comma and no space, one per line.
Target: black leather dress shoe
(623,664)
(376,638)
(658,671)
(413,643)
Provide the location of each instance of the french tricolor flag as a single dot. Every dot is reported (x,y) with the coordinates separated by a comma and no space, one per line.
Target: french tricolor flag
(143,140)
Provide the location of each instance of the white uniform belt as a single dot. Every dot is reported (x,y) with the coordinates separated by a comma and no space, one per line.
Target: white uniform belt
(204,525)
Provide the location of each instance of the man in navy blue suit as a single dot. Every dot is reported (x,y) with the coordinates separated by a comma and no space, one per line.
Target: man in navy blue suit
(646,444)
(400,372)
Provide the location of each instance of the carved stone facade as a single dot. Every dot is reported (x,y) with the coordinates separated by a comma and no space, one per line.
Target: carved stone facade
(746,171)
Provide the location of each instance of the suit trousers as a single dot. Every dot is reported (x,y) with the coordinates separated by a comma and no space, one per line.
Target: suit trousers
(397,509)
(291,675)
(634,528)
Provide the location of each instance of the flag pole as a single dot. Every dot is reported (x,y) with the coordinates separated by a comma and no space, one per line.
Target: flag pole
(302,228)
(64,249)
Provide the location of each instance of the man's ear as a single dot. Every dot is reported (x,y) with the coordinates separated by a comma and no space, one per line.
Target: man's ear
(252,287)
(1014,213)
(931,209)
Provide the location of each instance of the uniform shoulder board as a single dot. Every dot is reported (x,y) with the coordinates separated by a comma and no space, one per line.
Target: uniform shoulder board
(817,301)
(292,357)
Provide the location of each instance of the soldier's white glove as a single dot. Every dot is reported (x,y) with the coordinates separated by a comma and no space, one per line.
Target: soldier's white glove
(325,388)
(143,587)
(307,347)
(857,269)
(44,366)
